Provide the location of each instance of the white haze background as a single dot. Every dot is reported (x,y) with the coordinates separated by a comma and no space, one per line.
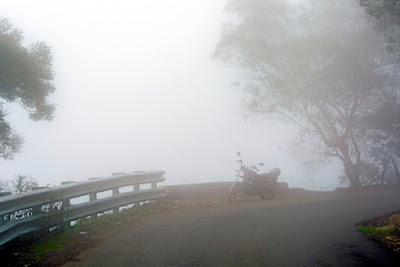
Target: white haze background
(138,90)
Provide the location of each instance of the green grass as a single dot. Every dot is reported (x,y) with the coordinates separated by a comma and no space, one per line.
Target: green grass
(366,230)
(50,244)
(36,253)
(376,232)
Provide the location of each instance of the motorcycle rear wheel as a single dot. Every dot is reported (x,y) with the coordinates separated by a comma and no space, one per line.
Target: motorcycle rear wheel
(268,192)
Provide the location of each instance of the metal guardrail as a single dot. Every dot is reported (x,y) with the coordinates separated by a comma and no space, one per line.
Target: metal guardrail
(45,208)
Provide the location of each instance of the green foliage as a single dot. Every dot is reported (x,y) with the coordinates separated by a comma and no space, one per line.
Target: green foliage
(25,78)
(10,142)
(50,244)
(377,232)
(367,230)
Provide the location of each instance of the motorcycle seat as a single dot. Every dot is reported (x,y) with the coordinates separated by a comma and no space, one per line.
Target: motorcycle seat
(265,177)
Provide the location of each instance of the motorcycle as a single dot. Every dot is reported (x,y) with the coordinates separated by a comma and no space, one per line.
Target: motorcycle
(249,182)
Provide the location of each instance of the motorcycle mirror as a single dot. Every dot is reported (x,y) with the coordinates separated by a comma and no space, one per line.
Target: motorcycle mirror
(261,164)
(238,153)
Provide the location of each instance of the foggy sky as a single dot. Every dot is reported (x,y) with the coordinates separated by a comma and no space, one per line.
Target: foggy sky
(137,90)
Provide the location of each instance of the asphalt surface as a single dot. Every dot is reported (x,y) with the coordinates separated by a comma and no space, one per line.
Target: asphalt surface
(317,230)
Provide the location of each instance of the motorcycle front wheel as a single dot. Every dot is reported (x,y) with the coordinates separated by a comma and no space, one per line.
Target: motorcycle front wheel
(268,191)
(233,191)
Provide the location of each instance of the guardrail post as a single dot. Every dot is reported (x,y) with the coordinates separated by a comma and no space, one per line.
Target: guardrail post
(2,220)
(115,191)
(36,210)
(65,203)
(136,187)
(93,197)
(153,186)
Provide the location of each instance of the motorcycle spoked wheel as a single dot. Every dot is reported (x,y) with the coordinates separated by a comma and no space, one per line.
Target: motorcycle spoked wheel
(268,192)
(233,191)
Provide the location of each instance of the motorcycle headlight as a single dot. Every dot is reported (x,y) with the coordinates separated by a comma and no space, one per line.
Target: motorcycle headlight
(241,174)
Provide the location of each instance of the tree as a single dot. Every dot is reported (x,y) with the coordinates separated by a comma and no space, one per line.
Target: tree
(386,16)
(384,125)
(23,183)
(382,128)
(321,67)
(25,78)
(5,186)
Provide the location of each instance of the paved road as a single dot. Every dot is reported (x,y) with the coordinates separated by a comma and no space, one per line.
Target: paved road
(283,232)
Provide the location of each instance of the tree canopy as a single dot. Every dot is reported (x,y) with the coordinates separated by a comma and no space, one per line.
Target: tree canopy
(322,67)
(386,15)
(384,125)
(26,77)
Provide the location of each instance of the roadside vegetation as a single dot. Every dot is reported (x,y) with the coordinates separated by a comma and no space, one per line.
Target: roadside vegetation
(19,184)
(384,230)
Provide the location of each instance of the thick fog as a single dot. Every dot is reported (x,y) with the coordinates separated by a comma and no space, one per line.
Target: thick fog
(137,89)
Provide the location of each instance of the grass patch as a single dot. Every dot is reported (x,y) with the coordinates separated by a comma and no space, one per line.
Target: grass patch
(366,230)
(44,248)
(377,232)
(381,231)
(51,243)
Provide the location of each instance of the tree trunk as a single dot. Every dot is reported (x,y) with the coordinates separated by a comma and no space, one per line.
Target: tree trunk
(385,166)
(350,169)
